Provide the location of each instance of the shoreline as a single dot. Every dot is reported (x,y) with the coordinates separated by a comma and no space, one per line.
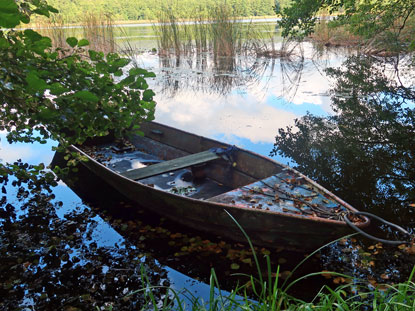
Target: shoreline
(144,23)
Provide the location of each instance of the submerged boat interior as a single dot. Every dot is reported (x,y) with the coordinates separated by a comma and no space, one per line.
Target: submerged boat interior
(200,168)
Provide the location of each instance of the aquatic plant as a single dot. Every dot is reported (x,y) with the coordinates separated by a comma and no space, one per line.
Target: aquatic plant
(216,29)
(98,29)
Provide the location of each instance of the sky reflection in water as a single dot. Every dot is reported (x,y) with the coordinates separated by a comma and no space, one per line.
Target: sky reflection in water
(248,115)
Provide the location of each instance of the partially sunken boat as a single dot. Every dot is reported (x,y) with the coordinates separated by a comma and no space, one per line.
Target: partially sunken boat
(197,182)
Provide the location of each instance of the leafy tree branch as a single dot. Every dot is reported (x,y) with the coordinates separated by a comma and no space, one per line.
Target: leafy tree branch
(59,93)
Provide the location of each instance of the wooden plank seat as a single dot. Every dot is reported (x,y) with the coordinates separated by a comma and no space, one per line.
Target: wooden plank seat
(171,165)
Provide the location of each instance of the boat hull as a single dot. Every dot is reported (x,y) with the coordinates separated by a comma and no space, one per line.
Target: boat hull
(264,228)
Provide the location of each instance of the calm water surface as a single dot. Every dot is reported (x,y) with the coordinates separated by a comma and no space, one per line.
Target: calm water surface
(242,101)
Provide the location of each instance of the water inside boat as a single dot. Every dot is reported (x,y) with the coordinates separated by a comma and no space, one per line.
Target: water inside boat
(181,182)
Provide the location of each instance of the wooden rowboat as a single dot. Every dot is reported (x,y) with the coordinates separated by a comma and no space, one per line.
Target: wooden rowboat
(194,180)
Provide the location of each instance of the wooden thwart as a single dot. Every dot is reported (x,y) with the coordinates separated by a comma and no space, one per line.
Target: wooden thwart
(171,165)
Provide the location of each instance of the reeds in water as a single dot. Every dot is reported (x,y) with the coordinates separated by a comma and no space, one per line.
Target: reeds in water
(55,29)
(214,29)
(97,29)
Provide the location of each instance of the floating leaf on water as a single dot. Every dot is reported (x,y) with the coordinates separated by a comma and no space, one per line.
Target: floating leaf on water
(402,246)
(327,274)
(247,261)
(343,242)
(379,245)
(235,266)
(410,250)
(264,251)
(285,274)
(384,276)
(282,261)
(339,280)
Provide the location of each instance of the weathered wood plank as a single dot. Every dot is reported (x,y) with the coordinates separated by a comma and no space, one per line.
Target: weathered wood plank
(171,165)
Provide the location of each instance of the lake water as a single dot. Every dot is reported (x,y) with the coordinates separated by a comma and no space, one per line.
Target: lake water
(242,101)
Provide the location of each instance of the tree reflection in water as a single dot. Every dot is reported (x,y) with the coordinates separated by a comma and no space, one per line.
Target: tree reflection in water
(59,262)
(365,152)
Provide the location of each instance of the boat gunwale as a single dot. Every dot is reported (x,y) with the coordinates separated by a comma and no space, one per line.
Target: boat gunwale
(247,209)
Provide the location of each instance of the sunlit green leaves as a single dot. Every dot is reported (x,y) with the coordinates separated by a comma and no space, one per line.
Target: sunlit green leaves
(148,95)
(4,44)
(141,72)
(83,42)
(9,14)
(72,41)
(61,93)
(86,95)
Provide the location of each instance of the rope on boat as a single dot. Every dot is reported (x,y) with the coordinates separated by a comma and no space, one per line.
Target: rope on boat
(399,228)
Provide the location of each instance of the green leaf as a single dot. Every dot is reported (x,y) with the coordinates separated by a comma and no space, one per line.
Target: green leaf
(9,6)
(72,41)
(148,95)
(42,11)
(140,84)
(35,82)
(4,44)
(9,20)
(32,35)
(128,80)
(121,62)
(25,18)
(52,9)
(118,73)
(83,42)
(9,14)
(234,266)
(57,89)
(137,71)
(102,67)
(86,95)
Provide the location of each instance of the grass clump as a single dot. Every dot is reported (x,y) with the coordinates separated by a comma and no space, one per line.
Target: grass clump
(272,296)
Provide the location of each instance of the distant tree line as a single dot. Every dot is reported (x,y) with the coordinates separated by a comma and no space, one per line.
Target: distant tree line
(74,10)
